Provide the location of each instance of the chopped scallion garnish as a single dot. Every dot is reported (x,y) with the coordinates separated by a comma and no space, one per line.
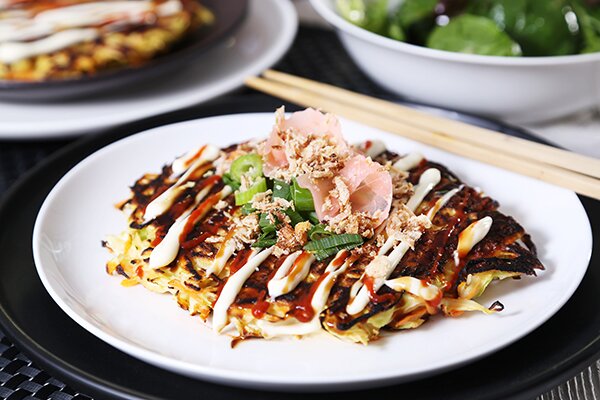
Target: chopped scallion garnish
(301,197)
(268,222)
(294,215)
(250,165)
(228,180)
(281,189)
(245,197)
(319,232)
(334,241)
(266,240)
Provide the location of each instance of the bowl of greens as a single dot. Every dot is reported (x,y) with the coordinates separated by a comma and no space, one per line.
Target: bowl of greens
(519,60)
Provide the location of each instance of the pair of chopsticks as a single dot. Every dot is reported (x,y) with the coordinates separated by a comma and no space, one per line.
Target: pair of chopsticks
(556,166)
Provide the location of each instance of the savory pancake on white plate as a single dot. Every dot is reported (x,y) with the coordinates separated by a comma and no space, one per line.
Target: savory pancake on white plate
(302,232)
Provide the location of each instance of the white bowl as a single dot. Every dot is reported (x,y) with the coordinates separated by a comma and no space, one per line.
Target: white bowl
(519,89)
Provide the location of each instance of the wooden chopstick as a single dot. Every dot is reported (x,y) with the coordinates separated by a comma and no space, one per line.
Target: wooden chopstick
(443,126)
(577,182)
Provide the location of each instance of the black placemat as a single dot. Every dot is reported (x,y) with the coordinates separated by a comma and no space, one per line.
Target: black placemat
(316,54)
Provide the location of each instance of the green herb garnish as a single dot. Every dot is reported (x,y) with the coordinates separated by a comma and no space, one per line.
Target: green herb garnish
(245,197)
(301,197)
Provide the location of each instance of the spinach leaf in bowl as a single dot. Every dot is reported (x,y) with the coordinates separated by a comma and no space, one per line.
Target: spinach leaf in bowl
(541,27)
(415,18)
(371,15)
(475,35)
(589,21)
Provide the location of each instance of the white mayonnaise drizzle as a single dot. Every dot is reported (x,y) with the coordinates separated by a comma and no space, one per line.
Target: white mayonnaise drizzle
(427,182)
(11,52)
(442,202)
(233,286)
(359,294)
(290,274)
(408,162)
(181,164)
(167,249)
(376,147)
(414,286)
(472,235)
(223,255)
(291,326)
(162,203)
(58,28)
(384,266)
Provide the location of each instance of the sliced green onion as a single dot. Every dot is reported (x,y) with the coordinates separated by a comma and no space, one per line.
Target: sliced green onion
(281,189)
(323,254)
(334,241)
(248,209)
(267,224)
(228,180)
(320,255)
(242,198)
(294,215)
(319,232)
(265,240)
(312,217)
(248,164)
(302,197)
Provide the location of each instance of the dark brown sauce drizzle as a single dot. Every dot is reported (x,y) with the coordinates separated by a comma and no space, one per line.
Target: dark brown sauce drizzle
(302,308)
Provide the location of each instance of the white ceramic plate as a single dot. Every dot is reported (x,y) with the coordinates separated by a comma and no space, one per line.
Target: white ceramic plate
(78,213)
(258,43)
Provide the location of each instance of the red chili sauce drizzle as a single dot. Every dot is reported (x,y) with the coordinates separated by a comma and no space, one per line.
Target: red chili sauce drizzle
(179,208)
(369,282)
(239,261)
(302,309)
(198,214)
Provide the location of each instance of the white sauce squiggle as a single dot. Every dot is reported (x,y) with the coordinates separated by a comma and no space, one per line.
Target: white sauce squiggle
(408,162)
(290,327)
(234,285)
(167,249)
(162,203)
(359,294)
(290,274)
(24,36)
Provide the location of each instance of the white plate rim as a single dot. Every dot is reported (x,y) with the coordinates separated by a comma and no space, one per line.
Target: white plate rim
(223,375)
(283,11)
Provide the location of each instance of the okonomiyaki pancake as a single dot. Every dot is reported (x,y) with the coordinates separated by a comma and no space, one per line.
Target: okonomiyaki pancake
(302,233)
(62,39)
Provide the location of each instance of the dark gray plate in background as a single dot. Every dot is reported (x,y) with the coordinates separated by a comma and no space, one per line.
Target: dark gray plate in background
(551,354)
(228,15)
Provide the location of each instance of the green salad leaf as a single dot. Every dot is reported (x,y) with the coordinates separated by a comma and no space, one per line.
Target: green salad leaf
(371,15)
(589,22)
(411,12)
(542,28)
(413,20)
(474,35)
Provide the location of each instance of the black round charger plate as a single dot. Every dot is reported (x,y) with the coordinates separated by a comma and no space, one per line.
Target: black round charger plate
(550,355)
(228,14)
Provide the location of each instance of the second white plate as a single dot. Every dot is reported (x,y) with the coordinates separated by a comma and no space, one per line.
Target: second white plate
(78,213)
(259,42)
